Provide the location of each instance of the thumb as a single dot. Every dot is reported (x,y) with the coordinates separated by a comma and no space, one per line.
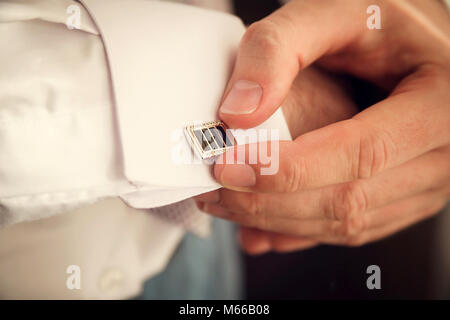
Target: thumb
(274,49)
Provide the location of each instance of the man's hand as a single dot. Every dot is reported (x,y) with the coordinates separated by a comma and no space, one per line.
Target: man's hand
(356,180)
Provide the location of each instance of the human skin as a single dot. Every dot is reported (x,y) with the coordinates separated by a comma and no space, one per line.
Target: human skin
(346,182)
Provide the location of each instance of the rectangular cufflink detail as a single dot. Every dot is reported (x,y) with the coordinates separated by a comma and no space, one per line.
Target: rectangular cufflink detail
(210,139)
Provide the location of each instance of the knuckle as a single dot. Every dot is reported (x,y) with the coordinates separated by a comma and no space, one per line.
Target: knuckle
(376,149)
(255,213)
(293,175)
(261,222)
(349,201)
(351,229)
(266,36)
(254,207)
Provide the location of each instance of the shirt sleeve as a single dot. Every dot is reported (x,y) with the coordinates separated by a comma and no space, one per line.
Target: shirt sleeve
(58,145)
(89,113)
(60,148)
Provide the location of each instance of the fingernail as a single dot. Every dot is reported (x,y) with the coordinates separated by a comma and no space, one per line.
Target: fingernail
(243,98)
(236,175)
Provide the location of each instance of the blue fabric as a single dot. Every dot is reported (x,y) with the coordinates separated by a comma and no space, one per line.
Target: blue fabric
(208,268)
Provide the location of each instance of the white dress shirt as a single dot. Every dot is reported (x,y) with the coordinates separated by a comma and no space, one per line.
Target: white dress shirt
(79,133)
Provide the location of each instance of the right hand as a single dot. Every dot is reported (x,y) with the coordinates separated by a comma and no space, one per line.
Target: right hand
(315,100)
(375,174)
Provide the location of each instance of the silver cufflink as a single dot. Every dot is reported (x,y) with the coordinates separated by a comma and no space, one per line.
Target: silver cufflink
(210,139)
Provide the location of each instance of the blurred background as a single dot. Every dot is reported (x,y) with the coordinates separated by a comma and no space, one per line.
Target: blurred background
(415,263)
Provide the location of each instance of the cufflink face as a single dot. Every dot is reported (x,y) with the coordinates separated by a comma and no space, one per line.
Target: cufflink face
(210,139)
